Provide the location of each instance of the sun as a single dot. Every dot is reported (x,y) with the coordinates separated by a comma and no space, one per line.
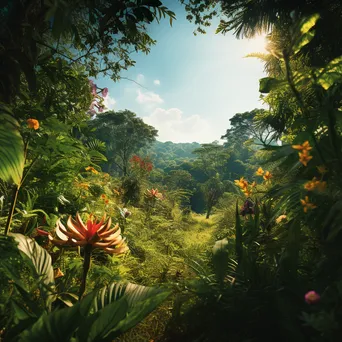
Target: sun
(258,43)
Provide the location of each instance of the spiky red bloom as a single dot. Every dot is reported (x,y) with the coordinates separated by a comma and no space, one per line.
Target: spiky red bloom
(97,234)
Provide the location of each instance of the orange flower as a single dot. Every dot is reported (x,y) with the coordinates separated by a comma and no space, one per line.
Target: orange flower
(306,204)
(96,234)
(321,186)
(248,193)
(304,157)
(33,123)
(84,186)
(106,201)
(311,184)
(259,172)
(267,176)
(315,184)
(116,192)
(58,273)
(241,183)
(281,218)
(90,168)
(103,196)
(154,193)
(304,147)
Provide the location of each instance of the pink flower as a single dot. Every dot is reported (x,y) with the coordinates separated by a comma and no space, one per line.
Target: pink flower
(312,297)
(105,92)
(101,109)
(93,87)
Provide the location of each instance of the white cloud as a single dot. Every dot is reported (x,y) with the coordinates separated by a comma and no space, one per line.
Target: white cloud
(140,78)
(156,82)
(173,126)
(148,98)
(109,103)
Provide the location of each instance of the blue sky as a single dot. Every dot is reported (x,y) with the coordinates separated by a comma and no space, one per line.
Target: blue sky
(192,84)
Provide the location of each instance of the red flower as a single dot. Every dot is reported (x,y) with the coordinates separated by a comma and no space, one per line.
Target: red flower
(97,234)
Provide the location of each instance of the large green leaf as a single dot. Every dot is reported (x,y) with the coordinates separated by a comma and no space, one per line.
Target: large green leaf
(113,292)
(60,324)
(119,307)
(40,260)
(12,149)
(305,33)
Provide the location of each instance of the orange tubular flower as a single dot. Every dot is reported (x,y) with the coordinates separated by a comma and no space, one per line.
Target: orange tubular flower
(304,147)
(304,158)
(315,184)
(241,183)
(33,123)
(311,185)
(306,204)
(267,175)
(259,172)
(94,234)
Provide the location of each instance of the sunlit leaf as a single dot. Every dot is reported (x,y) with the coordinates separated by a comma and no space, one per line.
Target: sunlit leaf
(11,151)
(41,261)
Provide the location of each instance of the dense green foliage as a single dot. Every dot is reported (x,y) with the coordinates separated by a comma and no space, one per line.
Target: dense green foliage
(239,241)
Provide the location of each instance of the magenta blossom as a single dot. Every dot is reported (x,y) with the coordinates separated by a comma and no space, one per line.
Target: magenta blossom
(312,297)
(105,92)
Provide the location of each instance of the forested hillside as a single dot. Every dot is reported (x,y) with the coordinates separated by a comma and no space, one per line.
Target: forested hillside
(107,234)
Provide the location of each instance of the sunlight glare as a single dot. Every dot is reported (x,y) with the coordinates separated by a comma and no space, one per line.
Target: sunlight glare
(257,44)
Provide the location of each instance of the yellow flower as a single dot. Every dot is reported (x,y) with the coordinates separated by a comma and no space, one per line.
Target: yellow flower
(322,169)
(84,186)
(304,147)
(90,168)
(241,183)
(248,193)
(281,218)
(304,157)
(267,175)
(306,204)
(259,172)
(33,123)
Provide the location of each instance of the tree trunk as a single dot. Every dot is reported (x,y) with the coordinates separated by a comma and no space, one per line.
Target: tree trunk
(208,212)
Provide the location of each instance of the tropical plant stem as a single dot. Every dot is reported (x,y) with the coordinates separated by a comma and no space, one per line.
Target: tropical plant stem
(300,101)
(11,212)
(86,265)
(15,196)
